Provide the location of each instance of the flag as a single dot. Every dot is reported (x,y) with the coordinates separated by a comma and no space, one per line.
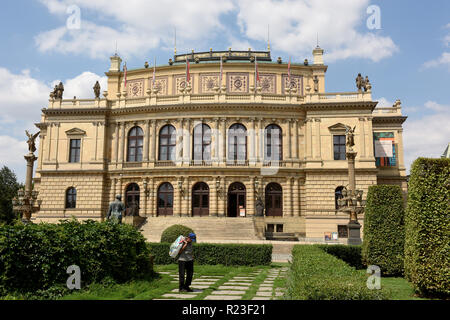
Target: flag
(289,71)
(188,75)
(256,71)
(125,75)
(221,73)
(154,73)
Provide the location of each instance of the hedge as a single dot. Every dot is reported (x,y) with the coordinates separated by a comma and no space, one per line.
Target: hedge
(349,253)
(214,254)
(384,229)
(36,256)
(427,224)
(317,275)
(173,232)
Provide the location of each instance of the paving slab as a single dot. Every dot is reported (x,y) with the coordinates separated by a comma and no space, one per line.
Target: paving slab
(263,294)
(261,298)
(265,288)
(266,285)
(179,295)
(233,288)
(225,292)
(184,293)
(240,280)
(218,297)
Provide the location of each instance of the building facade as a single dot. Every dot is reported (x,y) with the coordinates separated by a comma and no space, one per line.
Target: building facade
(217,139)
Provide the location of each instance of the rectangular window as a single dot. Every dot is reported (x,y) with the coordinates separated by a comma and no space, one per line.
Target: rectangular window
(343,231)
(75,147)
(339,147)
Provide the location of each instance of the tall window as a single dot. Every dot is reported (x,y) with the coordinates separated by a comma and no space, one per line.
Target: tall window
(135,144)
(75,147)
(167,143)
(237,142)
(165,199)
(339,147)
(273,141)
(71,198)
(202,142)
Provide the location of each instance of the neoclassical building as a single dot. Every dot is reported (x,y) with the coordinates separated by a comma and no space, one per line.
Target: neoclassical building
(209,140)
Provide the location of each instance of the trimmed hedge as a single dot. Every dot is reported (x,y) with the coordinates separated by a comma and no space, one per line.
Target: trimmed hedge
(348,253)
(36,256)
(384,229)
(316,275)
(173,232)
(427,222)
(213,254)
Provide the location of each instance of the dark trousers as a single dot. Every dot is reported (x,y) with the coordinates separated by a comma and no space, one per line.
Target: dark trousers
(185,267)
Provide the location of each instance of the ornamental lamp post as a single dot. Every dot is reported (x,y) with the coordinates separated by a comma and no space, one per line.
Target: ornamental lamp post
(26,202)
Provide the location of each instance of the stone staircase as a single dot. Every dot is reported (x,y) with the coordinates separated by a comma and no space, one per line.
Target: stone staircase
(206,228)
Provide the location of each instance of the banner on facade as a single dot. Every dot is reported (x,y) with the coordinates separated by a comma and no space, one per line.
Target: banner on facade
(383,148)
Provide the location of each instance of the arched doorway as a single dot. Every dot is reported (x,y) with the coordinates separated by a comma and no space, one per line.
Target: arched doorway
(165,200)
(132,196)
(274,200)
(200,199)
(236,199)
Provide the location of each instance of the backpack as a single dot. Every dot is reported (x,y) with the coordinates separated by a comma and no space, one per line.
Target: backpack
(176,246)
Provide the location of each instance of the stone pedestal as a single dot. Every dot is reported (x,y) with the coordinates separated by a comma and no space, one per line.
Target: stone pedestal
(354,233)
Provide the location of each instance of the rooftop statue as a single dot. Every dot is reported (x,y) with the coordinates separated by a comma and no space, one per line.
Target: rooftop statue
(360,83)
(97,90)
(57,92)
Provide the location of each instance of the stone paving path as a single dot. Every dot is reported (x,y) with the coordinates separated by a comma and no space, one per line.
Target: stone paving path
(234,288)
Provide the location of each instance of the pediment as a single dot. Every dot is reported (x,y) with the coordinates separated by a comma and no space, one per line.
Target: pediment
(338,127)
(75,132)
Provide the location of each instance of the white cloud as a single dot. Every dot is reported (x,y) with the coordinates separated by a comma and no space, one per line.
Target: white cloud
(428,135)
(140,26)
(444,58)
(295,25)
(383,103)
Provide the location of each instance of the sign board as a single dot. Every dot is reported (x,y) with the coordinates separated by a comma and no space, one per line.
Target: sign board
(334,236)
(383,149)
(327,236)
(241,211)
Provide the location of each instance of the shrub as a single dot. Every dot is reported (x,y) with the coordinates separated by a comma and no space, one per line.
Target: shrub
(213,254)
(173,232)
(348,253)
(384,229)
(316,275)
(36,256)
(427,223)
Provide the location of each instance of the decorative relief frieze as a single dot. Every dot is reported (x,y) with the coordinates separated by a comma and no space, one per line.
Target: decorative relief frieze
(180,83)
(237,82)
(135,88)
(267,83)
(162,84)
(296,83)
(208,82)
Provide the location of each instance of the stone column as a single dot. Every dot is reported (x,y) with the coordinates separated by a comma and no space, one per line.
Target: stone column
(94,156)
(224,140)
(318,153)
(399,150)
(309,138)
(260,141)
(290,196)
(223,212)
(362,138)
(177,198)
(55,157)
(153,156)
(49,141)
(250,195)
(152,196)
(296,196)
(296,146)
(116,146)
(122,143)
(215,142)
(369,142)
(186,141)
(288,121)
(146,140)
(252,139)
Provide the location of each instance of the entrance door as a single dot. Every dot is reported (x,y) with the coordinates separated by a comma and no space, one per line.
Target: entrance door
(165,200)
(274,200)
(236,199)
(132,197)
(200,199)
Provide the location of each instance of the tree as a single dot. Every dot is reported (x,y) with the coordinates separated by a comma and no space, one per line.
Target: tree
(8,190)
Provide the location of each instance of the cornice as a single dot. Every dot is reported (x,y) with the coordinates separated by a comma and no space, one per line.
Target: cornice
(389,119)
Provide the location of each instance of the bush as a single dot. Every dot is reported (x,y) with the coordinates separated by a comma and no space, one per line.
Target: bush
(427,223)
(384,229)
(173,232)
(348,253)
(316,275)
(213,254)
(36,256)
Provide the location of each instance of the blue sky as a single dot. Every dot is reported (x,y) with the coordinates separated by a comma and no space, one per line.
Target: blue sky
(407,58)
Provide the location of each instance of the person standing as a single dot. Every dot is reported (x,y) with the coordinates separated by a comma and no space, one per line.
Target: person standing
(186,264)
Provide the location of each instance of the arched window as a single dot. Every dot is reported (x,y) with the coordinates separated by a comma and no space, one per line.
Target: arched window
(71,198)
(273,141)
(202,143)
(200,199)
(237,142)
(135,144)
(165,199)
(167,142)
(338,195)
